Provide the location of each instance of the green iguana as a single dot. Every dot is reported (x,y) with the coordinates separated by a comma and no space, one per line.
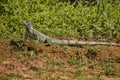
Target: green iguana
(38,36)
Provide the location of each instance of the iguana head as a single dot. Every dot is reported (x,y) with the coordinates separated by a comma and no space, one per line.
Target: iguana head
(28,25)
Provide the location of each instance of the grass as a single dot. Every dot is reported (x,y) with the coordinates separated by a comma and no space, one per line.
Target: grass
(60,19)
(109,69)
(92,52)
(10,76)
(76,61)
(40,73)
(4,78)
(78,73)
(117,60)
(55,78)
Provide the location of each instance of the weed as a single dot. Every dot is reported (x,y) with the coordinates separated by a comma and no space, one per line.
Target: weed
(5,78)
(17,44)
(109,69)
(32,55)
(22,54)
(93,78)
(47,55)
(78,73)
(55,78)
(40,73)
(47,15)
(92,53)
(80,76)
(73,60)
(117,60)
(12,75)
(55,64)
(93,64)
(1,60)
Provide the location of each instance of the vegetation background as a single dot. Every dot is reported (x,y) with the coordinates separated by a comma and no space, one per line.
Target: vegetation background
(86,19)
(97,20)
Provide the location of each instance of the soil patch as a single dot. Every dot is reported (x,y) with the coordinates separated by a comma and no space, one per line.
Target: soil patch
(38,61)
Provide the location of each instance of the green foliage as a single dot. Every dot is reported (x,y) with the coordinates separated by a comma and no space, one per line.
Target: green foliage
(76,60)
(56,78)
(78,73)
(5,78)
(56,18)
(10,76)
(109,69)
(40,73)
(117,60)
(54,64)
(93,64)
(92,52)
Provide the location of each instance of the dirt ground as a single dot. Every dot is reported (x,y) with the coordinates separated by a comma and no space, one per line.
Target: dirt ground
(37,61)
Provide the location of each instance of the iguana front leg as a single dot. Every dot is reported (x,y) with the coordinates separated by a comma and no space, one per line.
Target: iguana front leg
(25,38)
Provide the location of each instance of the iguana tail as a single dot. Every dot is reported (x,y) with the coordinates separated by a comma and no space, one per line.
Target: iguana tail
(73,42)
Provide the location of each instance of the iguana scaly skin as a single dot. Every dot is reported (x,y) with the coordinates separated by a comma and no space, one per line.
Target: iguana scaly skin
(38,36)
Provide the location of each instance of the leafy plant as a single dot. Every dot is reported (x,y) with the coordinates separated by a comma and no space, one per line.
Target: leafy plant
(55,78)
(5,78)
(75,61)
(117,60)
(109,69)
(92,52)
(78,73)
(94,21)
(40,73)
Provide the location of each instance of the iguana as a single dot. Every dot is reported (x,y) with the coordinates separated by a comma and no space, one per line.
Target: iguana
(38,36)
